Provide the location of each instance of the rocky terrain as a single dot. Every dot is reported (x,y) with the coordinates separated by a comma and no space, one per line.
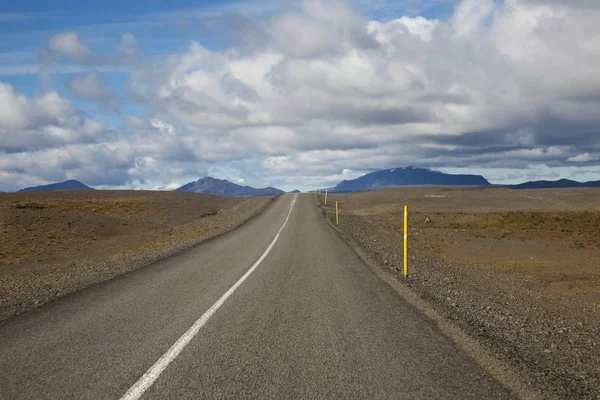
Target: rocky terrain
(517,271)
(55,243)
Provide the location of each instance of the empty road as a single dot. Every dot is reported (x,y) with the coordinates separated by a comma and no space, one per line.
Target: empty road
(279,308)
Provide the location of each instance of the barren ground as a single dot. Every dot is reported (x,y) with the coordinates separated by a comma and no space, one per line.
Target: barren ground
(519,270)
(54,243)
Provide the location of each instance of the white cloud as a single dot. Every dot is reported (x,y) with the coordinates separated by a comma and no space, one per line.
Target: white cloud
(91,87)
(323,93)
(581,158)
(385,33)
(456,92)
(30,125)
(67,47)
(128,46)
(470,15)
(19,112)
(68,44)
(162,126)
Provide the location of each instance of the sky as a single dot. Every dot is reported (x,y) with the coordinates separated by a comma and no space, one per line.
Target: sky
(148,94)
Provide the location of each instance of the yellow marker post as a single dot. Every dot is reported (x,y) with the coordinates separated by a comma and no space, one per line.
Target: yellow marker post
(326,197)
(405,241)
(337,218)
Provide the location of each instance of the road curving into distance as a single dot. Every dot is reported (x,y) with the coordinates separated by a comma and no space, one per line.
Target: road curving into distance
(278,308)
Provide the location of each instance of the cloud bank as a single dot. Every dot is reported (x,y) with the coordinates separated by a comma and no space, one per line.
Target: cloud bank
(319,93)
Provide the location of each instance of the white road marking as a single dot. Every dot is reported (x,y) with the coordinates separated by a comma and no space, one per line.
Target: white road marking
(144,383)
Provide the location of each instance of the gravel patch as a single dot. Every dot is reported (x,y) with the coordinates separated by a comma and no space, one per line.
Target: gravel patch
(24,287)
(553,346)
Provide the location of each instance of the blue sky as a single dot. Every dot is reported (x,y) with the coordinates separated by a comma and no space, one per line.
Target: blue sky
(162,28)
(152,94)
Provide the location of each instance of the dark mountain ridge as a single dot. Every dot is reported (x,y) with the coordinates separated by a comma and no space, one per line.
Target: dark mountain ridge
(561,183)
(71,184)
(408,176)
(395,177)
(222,187)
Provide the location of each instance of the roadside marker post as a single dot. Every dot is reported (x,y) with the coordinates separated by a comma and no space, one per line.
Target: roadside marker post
(326,197)
(337,218)
(406,241)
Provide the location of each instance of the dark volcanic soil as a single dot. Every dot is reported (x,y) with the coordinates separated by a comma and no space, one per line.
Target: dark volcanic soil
(54,243)
(518,271)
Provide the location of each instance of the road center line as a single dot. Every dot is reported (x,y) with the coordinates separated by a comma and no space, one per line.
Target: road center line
(144,383)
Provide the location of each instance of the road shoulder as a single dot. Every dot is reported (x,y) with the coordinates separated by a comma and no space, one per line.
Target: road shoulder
(484,357)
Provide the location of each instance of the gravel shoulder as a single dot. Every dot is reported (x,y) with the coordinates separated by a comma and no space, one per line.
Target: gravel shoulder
(547,337)
(56,243)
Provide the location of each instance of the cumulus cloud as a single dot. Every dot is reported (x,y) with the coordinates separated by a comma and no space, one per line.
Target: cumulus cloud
(420,27)
(129,46)
(322,93)
(469,16)
(29,125)
(91,87)
(581,158)
(19,112)
(150,155)
(319,30)
(410,80)
(67,46)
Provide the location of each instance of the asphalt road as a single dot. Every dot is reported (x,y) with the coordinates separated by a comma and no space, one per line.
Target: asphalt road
(310,321)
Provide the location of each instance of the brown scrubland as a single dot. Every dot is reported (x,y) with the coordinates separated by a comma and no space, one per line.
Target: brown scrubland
(519,270)
(54,243)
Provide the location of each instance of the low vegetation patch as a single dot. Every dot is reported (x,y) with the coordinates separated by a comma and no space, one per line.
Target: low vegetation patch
(582,227)
(56,242)
(112,207)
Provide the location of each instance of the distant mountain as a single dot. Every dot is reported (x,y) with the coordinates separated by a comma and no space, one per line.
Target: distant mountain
(295,191)
(221,187)
(561,183)
(71,184)
(408,176)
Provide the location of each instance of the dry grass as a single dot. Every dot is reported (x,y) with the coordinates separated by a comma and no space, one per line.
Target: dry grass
(54,243)
(111,207)
(552,235)
(452,200)
(62,226)
(580,227)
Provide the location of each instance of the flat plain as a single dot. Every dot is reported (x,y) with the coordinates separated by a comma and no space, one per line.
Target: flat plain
(54,243)
(517,269)
(553,235)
